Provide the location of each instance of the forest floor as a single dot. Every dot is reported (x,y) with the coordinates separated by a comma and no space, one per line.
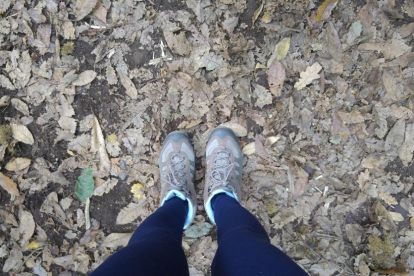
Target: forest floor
(321,94)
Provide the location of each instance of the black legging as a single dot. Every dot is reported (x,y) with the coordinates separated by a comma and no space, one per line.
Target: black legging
(244,249)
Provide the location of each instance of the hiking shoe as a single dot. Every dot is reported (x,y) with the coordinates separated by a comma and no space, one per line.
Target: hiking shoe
(177,166)
(224,161)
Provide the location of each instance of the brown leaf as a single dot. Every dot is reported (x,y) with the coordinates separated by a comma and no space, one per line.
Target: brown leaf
(325,10)
(334,44)
(8,217)
(115,240)
(100,12)
(20,106)
(85,78)
(83,8)
(18,164)
(129,86)
(336,124)
(276,77)
(301,183)
(307,76)
(43,34)
(8,184)
(98,145)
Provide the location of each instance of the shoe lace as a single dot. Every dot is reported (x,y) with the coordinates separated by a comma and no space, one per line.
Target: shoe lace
(221,174)
(176,177)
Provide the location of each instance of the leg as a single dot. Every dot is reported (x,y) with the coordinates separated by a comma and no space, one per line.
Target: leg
(244,247)
(155,247)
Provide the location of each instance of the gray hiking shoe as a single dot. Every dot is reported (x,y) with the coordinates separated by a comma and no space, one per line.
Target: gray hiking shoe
(177,166)
(224,161)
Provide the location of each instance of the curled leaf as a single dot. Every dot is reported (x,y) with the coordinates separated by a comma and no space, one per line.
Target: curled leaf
(9,185)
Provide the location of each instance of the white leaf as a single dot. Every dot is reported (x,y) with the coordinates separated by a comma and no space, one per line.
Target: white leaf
(98,145)
(14,261)
(22,134)
(307,76)
(395,137)
(114,240)
(68,124)
(85,78)
(239,130)
(105,187)
(128,214)
(129,86)
(84,7)
(6,83)
(20,106)
(18,164)
(27,226)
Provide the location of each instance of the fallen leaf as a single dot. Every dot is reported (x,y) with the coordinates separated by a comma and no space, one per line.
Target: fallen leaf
(129,213)
(8,217)
(300,184)
(137,190)
(14,260)
(280,51)
(6,83)
(307,76)
(8,184)
(115,240)
(85,78)
(334,44)
(100,12)
(129,86)
(84,8)
(395,137)
(20,106)
(68,124)
(276,78)
(257,13)
(111,75)
(396,217)
(249,149)
(195,231)
(239,130)
(106,187)
(43,34)
(98,145)
(68,30)
(384,217)
(325,10)
(22,134)
(26,227)
(18,164)
(85,185)
(389,199)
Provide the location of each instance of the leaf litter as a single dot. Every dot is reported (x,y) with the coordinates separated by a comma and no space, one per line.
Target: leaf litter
(319,93)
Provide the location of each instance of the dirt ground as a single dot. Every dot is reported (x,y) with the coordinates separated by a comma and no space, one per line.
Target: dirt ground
(319,92)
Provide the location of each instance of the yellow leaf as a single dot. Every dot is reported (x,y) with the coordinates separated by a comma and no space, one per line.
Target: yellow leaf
(8,184)
(34,245)
(138,190)
(112,138)
(257,13)
(396,216)
(266,17)
(249,149)
(280,51)
(389,199)
(324,10)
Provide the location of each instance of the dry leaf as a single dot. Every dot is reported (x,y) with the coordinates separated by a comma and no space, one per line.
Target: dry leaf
(325,10)
(20,106)
(8,217)
(105,187)
(8,184)
(111,75)
(239,130)
(389,199)
(115,240)
(43,34)
(276,78)
(83,8)
(18,164)
(129,213)
(98,145)
(280,51)
(301,183)
(257,13)
(249,149)
(85,78)
(334,44)
(68,124)
(14,260)
(26,227)
(68,30)
(22,134)
(129,86)
(395,137)
(396,216)
(307,76)
(100,12)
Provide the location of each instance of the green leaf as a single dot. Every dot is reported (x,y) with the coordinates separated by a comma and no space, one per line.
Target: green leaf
(85,185)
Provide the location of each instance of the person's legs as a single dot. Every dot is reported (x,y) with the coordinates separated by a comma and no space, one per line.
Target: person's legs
(244,247)
(155,247)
